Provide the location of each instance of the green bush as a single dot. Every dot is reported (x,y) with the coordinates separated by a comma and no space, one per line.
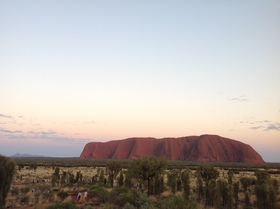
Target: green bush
(114,194)
(99,192)
(128,206)
(65,205)
(123,197)
(7,169)
(177,202)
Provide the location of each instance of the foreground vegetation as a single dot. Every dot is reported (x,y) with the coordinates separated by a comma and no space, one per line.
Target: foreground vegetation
(142,183)
(7,168)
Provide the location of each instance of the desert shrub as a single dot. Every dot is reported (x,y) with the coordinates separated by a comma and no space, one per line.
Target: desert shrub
(177,202)
(246,182)
(124,198)
(15,191)
(24,190)
(262,176)
(142,200)
(99,192)
(62,195)
(24,199)
(56,189)
(37,197)
(48,196)
(114,194)
(128,206)
(43,188)
(143,206)
(88,206)
(66,205)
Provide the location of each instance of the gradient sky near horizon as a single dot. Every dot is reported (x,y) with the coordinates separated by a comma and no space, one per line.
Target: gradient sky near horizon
(72,72)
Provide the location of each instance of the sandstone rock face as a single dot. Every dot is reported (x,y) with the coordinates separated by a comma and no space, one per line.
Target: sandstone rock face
(205,148)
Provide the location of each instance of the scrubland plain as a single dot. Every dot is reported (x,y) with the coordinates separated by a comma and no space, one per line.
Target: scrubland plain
(39,183)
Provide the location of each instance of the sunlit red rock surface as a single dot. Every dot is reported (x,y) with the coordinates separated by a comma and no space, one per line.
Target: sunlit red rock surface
(205,148)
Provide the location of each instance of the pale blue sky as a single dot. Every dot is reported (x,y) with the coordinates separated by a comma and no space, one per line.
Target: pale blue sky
(80,71)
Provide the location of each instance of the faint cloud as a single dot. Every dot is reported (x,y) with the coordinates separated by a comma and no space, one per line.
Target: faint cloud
(265,125)
(49,135)
(6,131)
(49,132)
(239,99)
(13,119)
(256,127)
(9,131)
(37,133)
(43,134)
(273,127)
(89,122)
(6,116)
(259,122)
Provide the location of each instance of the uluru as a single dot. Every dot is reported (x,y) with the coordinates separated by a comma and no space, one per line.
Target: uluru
(204,148)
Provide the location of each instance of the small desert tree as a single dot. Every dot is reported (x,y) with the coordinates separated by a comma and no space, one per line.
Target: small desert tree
(235,193)
(209,174)
(225,192)
(230,174)
(7,168)
(55,177)
(146,169)
(121,179)
(185,176)
(199,187)
(113,168)
(266,190)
